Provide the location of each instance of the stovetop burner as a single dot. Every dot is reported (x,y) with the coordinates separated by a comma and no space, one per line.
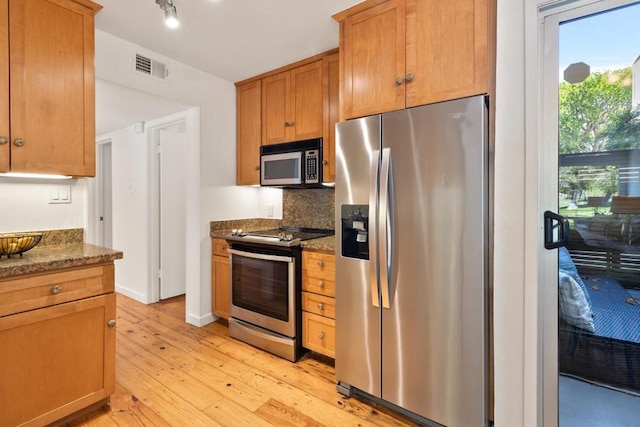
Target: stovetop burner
(283,236)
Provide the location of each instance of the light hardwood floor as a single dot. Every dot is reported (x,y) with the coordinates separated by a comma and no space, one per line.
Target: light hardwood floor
(170,373)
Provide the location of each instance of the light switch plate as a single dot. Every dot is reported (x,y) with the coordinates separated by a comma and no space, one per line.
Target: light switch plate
(60,194)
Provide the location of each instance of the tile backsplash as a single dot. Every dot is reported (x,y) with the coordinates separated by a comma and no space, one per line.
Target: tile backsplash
(311,208)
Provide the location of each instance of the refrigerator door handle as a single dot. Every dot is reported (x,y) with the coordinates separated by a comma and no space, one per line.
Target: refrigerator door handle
(373,217)
(385,227)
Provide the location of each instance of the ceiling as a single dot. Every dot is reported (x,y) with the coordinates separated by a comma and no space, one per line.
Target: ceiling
(231,39)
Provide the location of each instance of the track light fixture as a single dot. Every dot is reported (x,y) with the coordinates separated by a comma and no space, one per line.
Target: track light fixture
(170,13)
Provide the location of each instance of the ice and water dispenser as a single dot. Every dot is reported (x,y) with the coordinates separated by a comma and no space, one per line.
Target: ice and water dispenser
(355,231)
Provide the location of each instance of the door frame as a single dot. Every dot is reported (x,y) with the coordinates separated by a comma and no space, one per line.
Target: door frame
(94,198)
(542,19)
(190,120)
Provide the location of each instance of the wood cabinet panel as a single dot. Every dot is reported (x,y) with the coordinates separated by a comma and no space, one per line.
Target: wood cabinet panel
(44,290)
(306,103)
(249,132)
(275,90)
(220,279)
(56,360)
(403,53)
(331,116)
(448,57)
(4,86)
(52,86)
(319,334)
(318,302)
(373,51)
(292,105)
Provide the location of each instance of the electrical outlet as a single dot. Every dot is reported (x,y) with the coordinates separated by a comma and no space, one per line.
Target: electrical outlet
(270,211)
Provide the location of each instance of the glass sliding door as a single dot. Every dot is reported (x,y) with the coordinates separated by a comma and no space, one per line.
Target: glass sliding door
(597,97)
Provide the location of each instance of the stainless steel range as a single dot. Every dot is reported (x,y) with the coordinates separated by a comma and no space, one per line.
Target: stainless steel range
(266,288)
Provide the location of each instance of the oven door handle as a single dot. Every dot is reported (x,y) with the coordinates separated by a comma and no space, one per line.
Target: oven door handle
(265,257)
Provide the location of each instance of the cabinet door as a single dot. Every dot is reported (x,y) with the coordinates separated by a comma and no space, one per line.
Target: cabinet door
(52,86)
(446,50)
(221,286)
(305,107)
(332,116)
(56,360)
(249,131)
(372,48)
(274,108)
(4,86)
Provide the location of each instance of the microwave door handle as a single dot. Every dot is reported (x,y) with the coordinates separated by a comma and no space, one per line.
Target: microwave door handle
(263,257)
(373,236)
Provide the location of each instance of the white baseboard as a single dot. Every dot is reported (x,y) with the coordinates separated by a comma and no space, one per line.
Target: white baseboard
(132,294)
(201,321)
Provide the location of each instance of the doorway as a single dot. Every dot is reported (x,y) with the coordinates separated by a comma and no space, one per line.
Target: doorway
(592,176)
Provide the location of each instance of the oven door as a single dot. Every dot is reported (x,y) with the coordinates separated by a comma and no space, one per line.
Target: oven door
(281,169)
(263,290)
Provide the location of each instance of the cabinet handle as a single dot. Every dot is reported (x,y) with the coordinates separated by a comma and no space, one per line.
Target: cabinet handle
(19,142)
(288,124)
(224,248)
(321,335)
(409,77)
(55,289)
(320,284)
(111,323)
(399,81)
(3,140)
(320,263)
(320,306)
(257,168)
(325,162)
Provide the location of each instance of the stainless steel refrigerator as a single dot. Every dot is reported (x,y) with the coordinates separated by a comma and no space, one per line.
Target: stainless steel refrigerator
(412,260)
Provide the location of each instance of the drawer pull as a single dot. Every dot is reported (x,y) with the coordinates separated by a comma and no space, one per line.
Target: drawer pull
(321,335)
(111,323)
(56,289)
(321,306)
(320,284)
(320,263)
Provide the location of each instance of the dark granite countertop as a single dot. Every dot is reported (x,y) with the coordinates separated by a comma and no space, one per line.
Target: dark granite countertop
(53,257)
(325,244)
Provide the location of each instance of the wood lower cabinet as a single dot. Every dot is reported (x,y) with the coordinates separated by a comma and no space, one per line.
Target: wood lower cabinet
(318,302)
(404,53)
(220,280)
(56,357)
(47,117)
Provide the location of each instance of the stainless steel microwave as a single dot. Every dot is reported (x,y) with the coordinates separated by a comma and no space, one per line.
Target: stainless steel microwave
(291,164)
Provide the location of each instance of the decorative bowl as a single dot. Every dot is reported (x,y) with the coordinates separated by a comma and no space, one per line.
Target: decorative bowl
(18,243)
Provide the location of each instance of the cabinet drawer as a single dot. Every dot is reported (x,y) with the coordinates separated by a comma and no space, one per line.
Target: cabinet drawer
(319,286)
(219,247)
(319,334)
(33,292)
(319,265)
(318,304)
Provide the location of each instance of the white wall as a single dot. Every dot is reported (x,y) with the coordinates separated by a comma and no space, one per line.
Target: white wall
(24,205)
(219,198)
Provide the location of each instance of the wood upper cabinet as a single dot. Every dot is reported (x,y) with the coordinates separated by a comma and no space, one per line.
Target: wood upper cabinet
(331,77)
(51,86)
(403,53)
(292,105)
(249,132)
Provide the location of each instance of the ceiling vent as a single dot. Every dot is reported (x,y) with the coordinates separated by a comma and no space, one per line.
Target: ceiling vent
(151,67)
